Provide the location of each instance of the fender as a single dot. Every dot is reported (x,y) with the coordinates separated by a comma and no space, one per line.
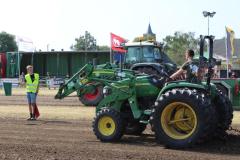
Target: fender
(183,84)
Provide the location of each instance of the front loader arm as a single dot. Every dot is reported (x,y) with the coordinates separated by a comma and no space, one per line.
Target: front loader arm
(88,78)
(74,83)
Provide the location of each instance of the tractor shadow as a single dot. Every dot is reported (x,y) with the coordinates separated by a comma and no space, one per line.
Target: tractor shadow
(143,140)
(229,146)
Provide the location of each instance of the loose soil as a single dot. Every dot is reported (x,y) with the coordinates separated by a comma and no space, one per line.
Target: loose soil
(64,132)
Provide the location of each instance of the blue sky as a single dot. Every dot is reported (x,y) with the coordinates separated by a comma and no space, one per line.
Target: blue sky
(59,22)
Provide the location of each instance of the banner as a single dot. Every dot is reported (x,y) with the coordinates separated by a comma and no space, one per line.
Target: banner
(25,44)
(229,43)
(116,42)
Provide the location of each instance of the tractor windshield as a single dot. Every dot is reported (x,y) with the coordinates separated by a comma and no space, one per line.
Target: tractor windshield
(143,54)
(148,55)
(133,54)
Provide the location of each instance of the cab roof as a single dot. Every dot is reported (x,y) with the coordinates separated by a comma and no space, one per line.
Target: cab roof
(144,43)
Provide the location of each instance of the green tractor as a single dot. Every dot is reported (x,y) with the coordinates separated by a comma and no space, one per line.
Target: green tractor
(180,113)
(144,57)
(183,113)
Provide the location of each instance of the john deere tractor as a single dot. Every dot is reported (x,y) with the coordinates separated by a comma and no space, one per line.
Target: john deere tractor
(144,57)
(181,114)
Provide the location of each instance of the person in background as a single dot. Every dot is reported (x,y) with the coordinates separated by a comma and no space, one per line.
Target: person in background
(48,80)
(229,70)
(22,79)
(216,72)
(233,75)
(32,86)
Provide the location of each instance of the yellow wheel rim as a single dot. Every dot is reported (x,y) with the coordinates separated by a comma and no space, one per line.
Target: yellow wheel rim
(106,126)
(178,120)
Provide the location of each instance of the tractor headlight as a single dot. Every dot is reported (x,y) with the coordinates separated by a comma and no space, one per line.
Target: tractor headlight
(106,90)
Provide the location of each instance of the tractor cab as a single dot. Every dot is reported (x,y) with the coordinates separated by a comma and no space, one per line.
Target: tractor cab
(147,57)
(145,52)
(138,52)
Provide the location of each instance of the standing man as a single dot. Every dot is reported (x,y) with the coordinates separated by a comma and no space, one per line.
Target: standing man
(190,67)
(32,86)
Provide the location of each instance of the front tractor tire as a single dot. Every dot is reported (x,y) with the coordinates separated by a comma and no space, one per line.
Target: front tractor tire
(93,98)
(181,118)
(108,125)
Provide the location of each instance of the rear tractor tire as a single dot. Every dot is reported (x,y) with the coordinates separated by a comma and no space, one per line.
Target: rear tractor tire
(93,98)
(181,118)
(108,126)
(224,111)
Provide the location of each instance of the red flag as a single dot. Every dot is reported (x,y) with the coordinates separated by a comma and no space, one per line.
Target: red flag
(36,111)
(116,42)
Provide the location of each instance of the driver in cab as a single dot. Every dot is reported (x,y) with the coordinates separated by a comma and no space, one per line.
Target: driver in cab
(190,67)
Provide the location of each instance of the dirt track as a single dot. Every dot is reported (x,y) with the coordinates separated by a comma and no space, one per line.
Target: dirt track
(42,100)
(73,139)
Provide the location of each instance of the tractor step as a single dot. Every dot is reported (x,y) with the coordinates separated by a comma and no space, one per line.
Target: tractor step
(144,121)
(147,112)
(145,117)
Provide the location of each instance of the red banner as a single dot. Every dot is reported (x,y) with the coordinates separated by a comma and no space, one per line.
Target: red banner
(116,42)
(3,62)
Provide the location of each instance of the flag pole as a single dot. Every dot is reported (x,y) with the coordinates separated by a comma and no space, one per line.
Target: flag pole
(227,61)
(18,59)
(32,60)
(111,54)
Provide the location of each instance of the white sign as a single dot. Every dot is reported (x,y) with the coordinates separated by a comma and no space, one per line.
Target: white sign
(54,82)
(14,81)
(25,44)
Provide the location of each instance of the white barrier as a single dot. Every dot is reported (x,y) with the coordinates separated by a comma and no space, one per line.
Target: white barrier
(14,81)
(54,82)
